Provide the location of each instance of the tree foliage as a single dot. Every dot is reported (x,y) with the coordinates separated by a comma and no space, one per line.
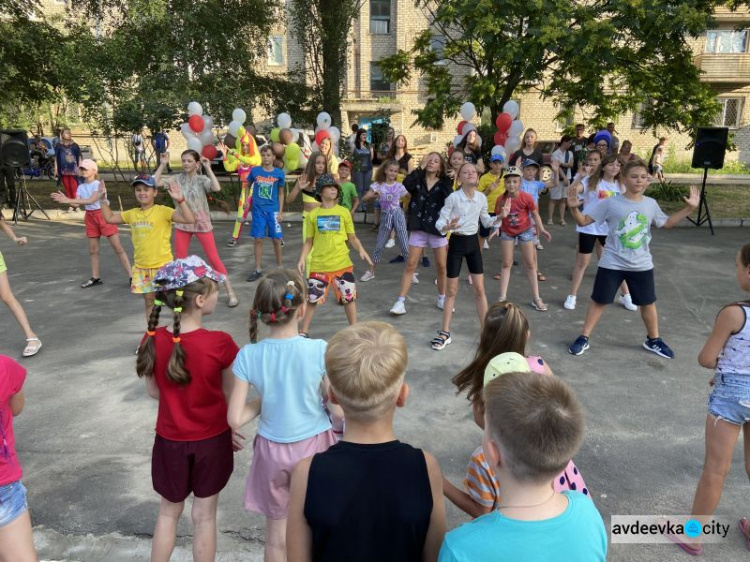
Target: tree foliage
(604,56)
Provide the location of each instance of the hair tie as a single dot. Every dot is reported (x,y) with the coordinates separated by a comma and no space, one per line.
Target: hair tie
(176,340)
(177,309)
(179,292)
(150,333)
(273,317)
(284,310)
(289,296)
(290,284)
(157,302)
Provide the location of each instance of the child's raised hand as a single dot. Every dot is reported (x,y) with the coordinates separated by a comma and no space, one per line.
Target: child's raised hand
(58,197)
(506,208)
(174,190)
(164,158)
(573,200)
(206,162)
(22,241)
(694,199)
(303,182)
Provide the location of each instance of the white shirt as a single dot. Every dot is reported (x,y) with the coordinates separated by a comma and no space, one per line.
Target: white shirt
(468,211)
(86,190)
(560,156)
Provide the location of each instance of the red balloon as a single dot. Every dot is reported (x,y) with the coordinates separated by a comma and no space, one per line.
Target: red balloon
(500,138)
(503,122)
(196,123)
(209,151)
(460,128)
(320,135)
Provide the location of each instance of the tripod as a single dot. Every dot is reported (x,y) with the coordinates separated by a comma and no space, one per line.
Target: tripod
(703,206)
(24,199)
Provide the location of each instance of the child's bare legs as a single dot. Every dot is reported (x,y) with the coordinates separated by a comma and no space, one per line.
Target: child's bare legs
(277,251)
(228,286)
(582,262)
(593,314)
(651,320)
(114,241)
(350,308)
(528,251)
(411,266)
(307,320)
(258,252)
(148,299)
(165,531)
(563,204)
(204,528)
(506,251)
(17,541)
(451,290)
(14,306)
(94,254)
(551,209)
(275,540)
(441,267)
(480,296)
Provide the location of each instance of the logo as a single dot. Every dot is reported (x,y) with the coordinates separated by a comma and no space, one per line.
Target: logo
(633,231)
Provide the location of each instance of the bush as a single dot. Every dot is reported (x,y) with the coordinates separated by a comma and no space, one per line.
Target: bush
(733,167)
(667,191)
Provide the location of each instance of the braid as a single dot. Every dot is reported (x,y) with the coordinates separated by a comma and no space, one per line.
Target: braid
(253,326)
(144,364)
(176,371)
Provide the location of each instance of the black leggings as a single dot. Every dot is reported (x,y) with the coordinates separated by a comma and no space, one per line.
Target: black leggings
(460,247)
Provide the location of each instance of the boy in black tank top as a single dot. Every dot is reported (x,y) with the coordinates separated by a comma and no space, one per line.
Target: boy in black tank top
(370,497)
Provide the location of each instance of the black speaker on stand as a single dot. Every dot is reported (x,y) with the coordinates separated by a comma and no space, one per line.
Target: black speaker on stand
(14,153)
(708,152)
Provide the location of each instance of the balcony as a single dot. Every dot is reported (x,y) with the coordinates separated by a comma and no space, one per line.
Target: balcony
(723,14)
(724,67)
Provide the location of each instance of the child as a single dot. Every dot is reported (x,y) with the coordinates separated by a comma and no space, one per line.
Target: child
(505,335)
(305,184)
(601,184)
(88,196)
(194,188)
(626,255)
(288,372)
(370,497)
(533,426)
(470,148)
(658,163)
(726,351)
(151,231)
(33,343)
(349,197)
(528,151)
(329,228)
(241,160)
(332,163)
(268,208)
(535,188)
(493,186)
(389,192)
(15,523)
(455,161)
(557,196)
(461,214)
(67,159)
(518,209)
(188,370)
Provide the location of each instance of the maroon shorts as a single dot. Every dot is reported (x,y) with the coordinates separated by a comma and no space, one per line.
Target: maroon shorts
(201,467)
(96,226)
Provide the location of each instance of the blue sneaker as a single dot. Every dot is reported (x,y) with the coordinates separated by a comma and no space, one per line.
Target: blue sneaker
(658,346)
(579,346)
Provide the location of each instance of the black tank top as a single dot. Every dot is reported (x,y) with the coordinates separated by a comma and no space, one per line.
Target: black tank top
(368,503)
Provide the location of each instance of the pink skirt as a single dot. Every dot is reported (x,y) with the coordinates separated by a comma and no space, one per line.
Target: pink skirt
(267,485)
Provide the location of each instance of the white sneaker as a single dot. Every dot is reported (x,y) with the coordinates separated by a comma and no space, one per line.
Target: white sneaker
(399,308)
(414,279)
(570,302)
(486,245)
(367,276)
(627,302)
(391,243)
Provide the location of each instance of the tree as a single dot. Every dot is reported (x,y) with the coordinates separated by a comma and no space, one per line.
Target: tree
(605,56)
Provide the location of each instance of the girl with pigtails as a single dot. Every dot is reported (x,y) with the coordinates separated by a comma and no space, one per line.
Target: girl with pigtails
(188,370)
(288,372)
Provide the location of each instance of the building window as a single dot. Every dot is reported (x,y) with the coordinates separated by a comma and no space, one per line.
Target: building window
(276,50)
(564,121)
(638,119)
(437,45)
(380,17)
(726,41)
(729,115)
(378,83)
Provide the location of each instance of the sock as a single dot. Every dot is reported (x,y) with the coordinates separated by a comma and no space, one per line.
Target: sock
(441,296)
(402,299)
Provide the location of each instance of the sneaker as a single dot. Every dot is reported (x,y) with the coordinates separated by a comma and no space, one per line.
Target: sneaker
(570,302)
(425,261)
(580,345)
(539,246)
(399,308)
(391,243)
(398,259)
(441,302)
(232,242)
(367,276)
(486,245)
(255,275)
(658,346)
(91,282)
(415,279)
(627,302)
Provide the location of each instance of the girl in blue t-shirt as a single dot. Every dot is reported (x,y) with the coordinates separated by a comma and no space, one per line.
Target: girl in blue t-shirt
(288,372)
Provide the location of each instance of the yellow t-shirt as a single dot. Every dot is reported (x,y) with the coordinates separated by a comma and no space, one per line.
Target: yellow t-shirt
(484,183)
(151,232)
(329,229)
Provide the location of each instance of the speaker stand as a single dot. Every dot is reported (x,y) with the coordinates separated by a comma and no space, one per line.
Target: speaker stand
(704,215)
(24,199)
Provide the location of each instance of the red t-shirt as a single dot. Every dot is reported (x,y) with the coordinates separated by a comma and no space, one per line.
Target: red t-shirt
(12,376)
(519,218)
(197,410)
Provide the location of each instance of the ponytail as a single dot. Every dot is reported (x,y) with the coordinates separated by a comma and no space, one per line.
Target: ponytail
(277,299)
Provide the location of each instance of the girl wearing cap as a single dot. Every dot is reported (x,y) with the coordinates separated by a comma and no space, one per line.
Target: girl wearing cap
(87,195)
(493,186)
(188,369)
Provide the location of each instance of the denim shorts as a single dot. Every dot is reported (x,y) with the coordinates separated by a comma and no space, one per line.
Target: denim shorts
(730,399)
(12,502)
(526,236)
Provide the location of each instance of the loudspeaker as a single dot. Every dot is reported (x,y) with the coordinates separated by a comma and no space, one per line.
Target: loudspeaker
(14,148)
(710,147)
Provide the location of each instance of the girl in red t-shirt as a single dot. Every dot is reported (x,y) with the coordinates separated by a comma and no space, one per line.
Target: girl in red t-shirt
(188,370)
(517,209)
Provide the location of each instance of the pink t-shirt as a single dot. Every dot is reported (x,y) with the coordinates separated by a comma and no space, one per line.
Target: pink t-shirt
(12,376)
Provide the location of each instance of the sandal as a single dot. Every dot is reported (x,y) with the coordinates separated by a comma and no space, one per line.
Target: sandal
(91,282)
(744,525)
(441,341)
(540,276)
(563,223)
(539,305)
(233,301)
(690,549)
(549,222)
(33,345)
(497,277)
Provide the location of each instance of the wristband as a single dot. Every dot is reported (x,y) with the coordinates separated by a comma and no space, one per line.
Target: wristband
(180,201)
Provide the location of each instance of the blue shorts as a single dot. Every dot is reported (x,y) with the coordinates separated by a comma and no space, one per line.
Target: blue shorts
(526,236)
(12,502)
(730,399)
(265,225)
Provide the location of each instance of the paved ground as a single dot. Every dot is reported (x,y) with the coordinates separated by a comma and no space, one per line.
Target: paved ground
(85,437)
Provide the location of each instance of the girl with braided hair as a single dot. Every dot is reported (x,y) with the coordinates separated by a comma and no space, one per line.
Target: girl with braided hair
(188,370)
(288,372)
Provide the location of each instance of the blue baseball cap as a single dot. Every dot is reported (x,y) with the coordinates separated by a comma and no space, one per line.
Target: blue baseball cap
(497,158)
(145,179)
(529,162)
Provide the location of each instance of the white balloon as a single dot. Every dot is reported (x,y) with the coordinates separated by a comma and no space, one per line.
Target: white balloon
(315,147)
(497,149)
(468,111)
(516,128)
(479,140)
(206,137)
(208,122)
(194,108)
(195,144)
(239,115)
(284,120)
(233,127)
(324,120)
(335,135)
(468,127)
(512,144)
(511,108)
(186,131)
(457,140)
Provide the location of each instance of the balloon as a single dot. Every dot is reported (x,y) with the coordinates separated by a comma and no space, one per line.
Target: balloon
(230,139)
(210,152)
(208,122)
(335,135)
(503,122)
(286,136)
(275,134)
(195,143)
(196,123)
(186,131)
(239,116)
(278,149)
(284,120)
(234,128)
(499,150)
(194,108)
(206,137)
(479,140)
(512,144)
(468,111)
(323,120)
(314,147)
(457,140)
(516,129)
(469,127)
(320,135)
(511,108)
(460,128)
(500,138)
(291,157)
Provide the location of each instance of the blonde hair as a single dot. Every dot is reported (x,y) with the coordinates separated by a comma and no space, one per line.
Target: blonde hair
(366,364)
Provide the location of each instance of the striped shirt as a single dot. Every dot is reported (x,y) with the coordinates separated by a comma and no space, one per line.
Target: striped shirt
(481,483)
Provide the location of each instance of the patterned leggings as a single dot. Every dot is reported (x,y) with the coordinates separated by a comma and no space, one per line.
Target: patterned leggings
(388,221)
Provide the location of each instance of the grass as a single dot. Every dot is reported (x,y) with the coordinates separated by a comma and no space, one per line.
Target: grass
(731,167)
